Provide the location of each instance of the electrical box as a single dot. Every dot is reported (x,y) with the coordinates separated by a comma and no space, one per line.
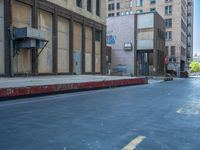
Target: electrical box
(29,38)
(128,46)
(22,33)
(26,44)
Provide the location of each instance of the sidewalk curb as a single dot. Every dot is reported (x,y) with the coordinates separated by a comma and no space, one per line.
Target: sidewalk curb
(55,88)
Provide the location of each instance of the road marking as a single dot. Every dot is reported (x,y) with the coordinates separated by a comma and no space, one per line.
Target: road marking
(134,143)
(192,108)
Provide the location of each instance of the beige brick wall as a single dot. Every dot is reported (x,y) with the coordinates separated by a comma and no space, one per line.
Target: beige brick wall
(71,5)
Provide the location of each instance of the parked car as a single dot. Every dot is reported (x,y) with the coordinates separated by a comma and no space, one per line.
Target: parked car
(172,72)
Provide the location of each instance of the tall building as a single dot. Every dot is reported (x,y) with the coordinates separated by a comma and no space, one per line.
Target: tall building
(119,7)
(138,44)
(74,32)
(178,15)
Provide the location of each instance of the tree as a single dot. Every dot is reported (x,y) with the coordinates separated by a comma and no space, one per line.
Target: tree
(195,67)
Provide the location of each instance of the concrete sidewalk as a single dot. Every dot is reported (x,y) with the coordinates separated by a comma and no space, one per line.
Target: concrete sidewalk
(24,86)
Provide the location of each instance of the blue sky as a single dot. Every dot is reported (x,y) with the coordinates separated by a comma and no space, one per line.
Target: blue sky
(196,26)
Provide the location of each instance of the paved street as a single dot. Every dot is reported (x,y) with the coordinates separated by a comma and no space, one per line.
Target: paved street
(160,116)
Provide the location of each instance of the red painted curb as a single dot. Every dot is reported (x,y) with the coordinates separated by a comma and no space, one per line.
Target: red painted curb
(45,89)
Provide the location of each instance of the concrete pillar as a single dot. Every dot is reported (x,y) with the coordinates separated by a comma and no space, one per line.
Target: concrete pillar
(7,23)
(155,61)
(35,25)
(83,47)
(103,51)
(55,42)
(93,48)
(135,46)
(71,44)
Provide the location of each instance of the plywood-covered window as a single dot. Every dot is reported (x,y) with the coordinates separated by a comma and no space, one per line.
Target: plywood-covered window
(45,59)
(77,37)
(77,51)
(98,52)
(21,17)
(88,49)
(63,45)
(2,57)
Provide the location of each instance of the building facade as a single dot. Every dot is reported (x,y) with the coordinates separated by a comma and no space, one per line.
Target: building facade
(138,44)
(75,31)
(119,7)
(178,15)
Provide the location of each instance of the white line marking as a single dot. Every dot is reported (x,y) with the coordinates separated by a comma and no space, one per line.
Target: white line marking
(191,108)
(134,143)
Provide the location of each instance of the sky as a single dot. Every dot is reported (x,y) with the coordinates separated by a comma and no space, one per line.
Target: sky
(197,26)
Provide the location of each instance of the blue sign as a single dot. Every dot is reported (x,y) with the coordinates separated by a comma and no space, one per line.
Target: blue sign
(110,39)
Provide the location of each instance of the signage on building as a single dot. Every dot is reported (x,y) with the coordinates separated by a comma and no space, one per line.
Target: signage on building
(111,39)
(128,46)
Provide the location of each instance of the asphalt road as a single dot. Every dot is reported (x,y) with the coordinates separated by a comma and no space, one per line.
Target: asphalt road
(160,116)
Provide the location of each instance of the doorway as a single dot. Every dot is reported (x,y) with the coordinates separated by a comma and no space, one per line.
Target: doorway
(77,63)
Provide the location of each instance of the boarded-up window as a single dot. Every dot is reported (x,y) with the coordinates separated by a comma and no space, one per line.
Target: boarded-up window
(77,51)
(98,52)
(21,17)
(2,59)
(63,45)
(88,49)
(45,58)
(77,37)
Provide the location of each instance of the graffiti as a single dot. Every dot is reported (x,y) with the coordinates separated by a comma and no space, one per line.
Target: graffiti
(111,39)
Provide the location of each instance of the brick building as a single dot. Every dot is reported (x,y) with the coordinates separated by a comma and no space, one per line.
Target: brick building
(178,15)
(75,31)
(119,7)
(137,43)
